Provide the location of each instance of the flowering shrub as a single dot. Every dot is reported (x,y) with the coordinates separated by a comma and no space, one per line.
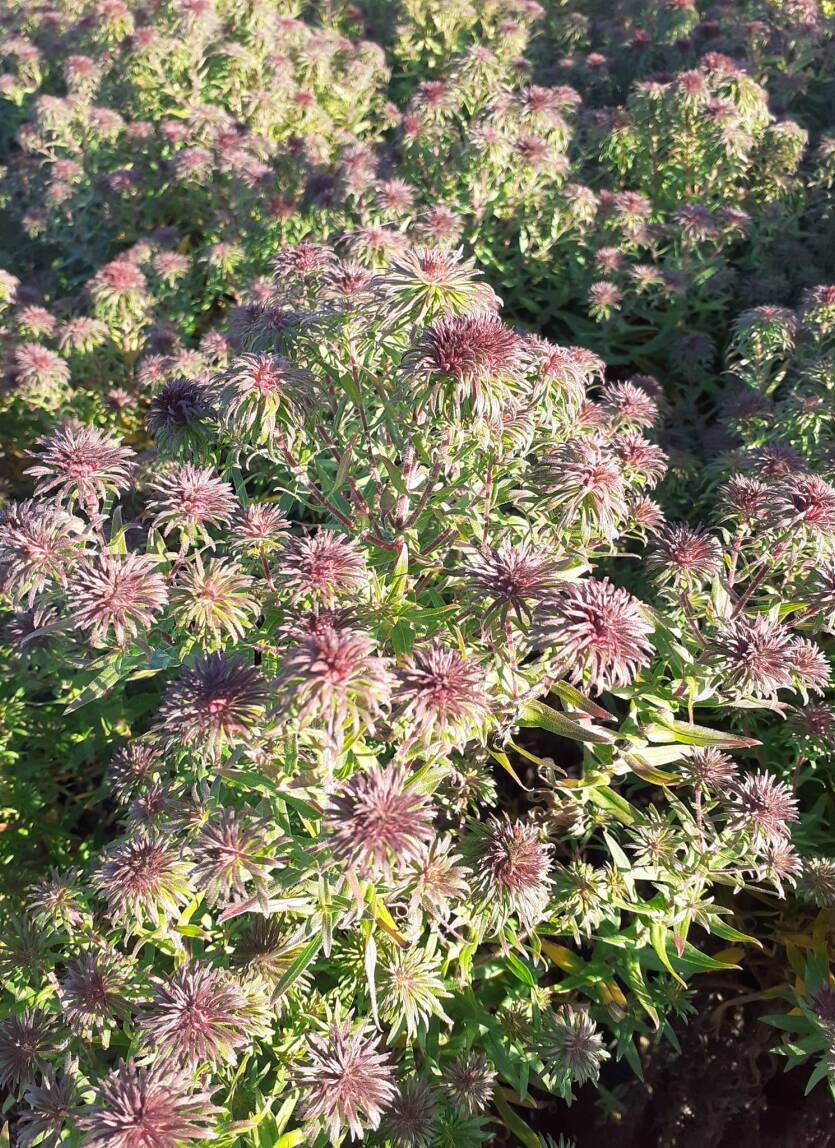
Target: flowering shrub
(373,556)
(405,695)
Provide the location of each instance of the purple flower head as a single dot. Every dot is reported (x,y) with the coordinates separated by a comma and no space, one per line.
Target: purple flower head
(510,870)
(347,1082)
(708,767)
(511,577)
(259,528)
(321,566)
(628,405)
(181,406)
(256,391)
(685,557)
(38,375)
(472,360)
(26,1041)
(584,482)
(571,1043)
(143,880)
(133,768)
(805,502)
(93,991)
(47,1108)
(412,1116)
(38,545)
(122,595)
(219,700)
(190,499)
(810,667)
(441,696)
(762,806)
(597,631)
(375,823)
(468,1082)
(754,654)
(230,850)
(81,463)
(147,1108)
(199,1015)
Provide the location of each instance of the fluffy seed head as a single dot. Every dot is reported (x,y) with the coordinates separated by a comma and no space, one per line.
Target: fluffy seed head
(709,767)
(25,1041)
(38,544)
(93,991)
(47,1107)
(230,850)
(472,360)
(411,1118)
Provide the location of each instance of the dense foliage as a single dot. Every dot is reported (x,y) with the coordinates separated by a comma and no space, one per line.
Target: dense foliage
(417,556)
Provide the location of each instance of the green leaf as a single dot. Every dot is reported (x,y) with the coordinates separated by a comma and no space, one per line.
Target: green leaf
(667,729)
(513,1123)
(298,966)
(520,970)
(536,715)
(658,935)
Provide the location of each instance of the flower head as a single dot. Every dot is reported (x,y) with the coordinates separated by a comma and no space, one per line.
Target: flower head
(38,375)
(132,768)
(321,566)
(147,1108)
(804,502)
(179,408)
(143,880)
(762,806)
(511,577)
(411,989)
(597,631)
(709,767)
(685,557)
(38,544)
(81,463)
(25,1042)
(214,600)
(47,1107)
(471,361)
(93,990)
(570,1043)
(468,1082)
(347,1081)
(584,481)
(755,655)
(259,528)
(199,1015)
(257,391)
(441,696)
(57,899)
(412,1116)
(230,850)
(218,700)
(190,499)
(818,881)
(376,823)
(510,870)
(119,594)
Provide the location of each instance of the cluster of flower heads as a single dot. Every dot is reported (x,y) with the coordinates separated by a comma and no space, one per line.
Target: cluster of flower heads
(420,794)
(642,171)
(367,555)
